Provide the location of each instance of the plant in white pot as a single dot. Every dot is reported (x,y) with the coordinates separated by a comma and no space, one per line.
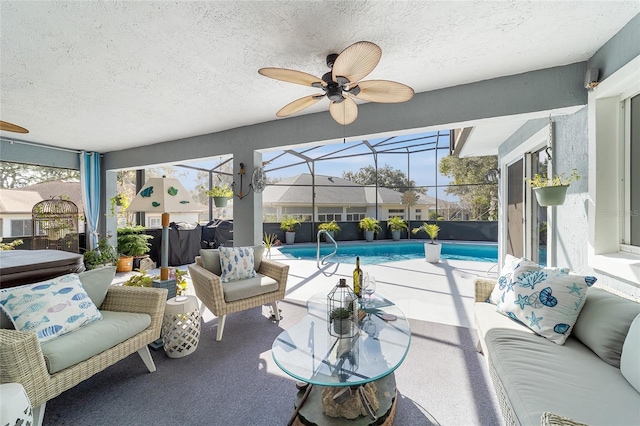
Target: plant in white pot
(220,194)
(552,191)
(431,250)
(370,226)
(288,225)
(397,225)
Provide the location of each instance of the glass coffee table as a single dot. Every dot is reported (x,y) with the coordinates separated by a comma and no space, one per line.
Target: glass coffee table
(346,381)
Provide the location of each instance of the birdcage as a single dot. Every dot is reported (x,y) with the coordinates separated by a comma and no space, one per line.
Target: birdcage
(55,225)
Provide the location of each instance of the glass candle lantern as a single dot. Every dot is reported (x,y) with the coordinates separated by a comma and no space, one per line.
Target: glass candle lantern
(342,311)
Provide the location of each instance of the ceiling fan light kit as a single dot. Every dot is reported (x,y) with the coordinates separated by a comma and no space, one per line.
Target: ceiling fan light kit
(342,84)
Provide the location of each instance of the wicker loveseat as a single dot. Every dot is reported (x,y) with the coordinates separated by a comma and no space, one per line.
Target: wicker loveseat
(269,286)
(22,359)
(540,382)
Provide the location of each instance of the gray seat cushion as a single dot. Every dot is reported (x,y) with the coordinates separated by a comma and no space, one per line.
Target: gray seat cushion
(81,344)
(242,289)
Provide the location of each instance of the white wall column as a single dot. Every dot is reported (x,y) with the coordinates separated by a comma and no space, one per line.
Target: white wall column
(247,212)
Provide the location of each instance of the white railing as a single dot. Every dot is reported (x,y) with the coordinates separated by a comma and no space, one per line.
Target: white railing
(335,250)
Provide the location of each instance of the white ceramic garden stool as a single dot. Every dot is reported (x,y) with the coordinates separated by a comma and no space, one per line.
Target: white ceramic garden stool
(15,408)
(181,326)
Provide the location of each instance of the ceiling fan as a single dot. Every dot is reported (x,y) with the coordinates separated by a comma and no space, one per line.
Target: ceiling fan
(342,84)
(9,127)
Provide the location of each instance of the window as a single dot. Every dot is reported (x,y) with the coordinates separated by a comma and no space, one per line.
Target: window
(155,222)
(631,225)
(20,227)
(397,212)
(329,217)
(418,210)
(418,217)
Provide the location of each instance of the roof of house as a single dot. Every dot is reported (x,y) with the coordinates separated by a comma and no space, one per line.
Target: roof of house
(18,201)
(56,188)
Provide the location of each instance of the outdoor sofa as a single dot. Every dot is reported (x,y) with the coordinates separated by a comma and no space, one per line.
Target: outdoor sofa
(593,378)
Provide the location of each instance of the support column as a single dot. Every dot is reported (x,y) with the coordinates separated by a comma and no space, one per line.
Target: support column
(247,212)
(108,224)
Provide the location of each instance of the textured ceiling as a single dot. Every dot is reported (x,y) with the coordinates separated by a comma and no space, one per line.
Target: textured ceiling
(111,75)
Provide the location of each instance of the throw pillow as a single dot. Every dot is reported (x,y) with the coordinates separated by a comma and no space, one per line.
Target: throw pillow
(630,360)
(258,252)
(236,263)
(604,323)
(547,300)
(211,260)
(49,308)
(96,283)
(504,283)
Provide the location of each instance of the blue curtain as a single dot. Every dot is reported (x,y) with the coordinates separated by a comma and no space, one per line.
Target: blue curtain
(90,182)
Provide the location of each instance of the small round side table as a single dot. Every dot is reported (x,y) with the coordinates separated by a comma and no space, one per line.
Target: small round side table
(181,326)
(15,408)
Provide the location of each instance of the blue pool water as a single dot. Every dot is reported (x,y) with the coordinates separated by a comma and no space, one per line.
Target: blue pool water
(374,253)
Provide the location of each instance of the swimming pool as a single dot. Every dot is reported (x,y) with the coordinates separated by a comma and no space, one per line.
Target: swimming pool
(374,253)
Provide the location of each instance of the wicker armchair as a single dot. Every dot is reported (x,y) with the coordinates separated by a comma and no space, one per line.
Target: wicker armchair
(208,287)
(22,360)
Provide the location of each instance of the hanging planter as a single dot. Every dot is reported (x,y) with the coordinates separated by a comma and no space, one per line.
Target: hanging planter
(220,201)
(551,195)
(220,195)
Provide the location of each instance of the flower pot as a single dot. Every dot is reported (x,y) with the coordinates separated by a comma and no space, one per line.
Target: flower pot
(432,252)
(220,201)
(125,264)
(342,326)
(290,237)
(368,236)
(331,234)
(395,235)
(551,195)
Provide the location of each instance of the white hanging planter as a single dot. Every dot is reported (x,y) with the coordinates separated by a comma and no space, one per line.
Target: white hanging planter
(551,195)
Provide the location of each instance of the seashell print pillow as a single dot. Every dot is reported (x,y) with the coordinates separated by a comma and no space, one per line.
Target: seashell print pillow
(547,300)
(49,308)
(504,281)
(236,263)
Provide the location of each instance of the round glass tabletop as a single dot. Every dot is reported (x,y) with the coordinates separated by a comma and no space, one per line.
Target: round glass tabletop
(308,352)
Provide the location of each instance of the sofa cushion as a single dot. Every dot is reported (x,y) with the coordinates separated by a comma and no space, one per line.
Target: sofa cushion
(50,308)
(260,284)
(504,282)
(604,323)
(96,283)
(547,300)
(237,263)
(630,359)
(81,344)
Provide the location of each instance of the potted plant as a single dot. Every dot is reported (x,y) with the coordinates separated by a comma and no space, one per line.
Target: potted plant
(397,225)
(270,240)
(288,224)
(370,226)
(552,192)
(332,228)
(220,194)
(9,246)
(144,280)
(132,243)
(103,255)
(341,319)
(431,250)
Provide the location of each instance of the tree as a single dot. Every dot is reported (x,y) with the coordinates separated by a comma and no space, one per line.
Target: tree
(470,183)
(388,177)
(17,175)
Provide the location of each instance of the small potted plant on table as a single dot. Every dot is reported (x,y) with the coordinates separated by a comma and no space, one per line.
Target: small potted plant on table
(288,225)
(552,192)
(370,226)
(220,194)
(397,225)
(341,318)
(332,228)
(431,250)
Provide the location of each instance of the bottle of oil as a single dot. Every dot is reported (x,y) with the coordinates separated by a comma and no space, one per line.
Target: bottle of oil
(357,279)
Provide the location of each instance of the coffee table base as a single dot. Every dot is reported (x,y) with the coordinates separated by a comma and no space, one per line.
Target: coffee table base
(311,412)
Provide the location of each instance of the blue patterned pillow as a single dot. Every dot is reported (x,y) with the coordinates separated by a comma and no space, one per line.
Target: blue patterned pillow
(547,300)
(236,263)
(504,282)
(50,308)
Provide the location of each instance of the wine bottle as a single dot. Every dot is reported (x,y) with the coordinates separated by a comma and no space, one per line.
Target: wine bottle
(357,279)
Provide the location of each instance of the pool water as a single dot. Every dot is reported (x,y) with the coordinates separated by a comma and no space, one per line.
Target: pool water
(374,253)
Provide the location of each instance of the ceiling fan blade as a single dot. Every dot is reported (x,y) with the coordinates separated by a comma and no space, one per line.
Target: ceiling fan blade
(9,127)
(290,76)
(298,105)
(384,91)
(356,61)
(344,112)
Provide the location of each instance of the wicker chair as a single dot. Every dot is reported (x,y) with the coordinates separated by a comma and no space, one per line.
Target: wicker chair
(208,287)
(22,360)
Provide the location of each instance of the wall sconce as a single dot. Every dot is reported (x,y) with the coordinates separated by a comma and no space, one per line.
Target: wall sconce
(493,175)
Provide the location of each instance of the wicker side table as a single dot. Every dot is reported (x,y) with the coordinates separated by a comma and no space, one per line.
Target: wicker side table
(181,326)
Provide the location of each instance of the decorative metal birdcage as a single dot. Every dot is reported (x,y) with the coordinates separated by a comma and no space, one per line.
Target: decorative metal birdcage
(55,225)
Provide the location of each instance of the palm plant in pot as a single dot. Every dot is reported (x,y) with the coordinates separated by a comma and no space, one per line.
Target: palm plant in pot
(397,225)
(288,225)
(370,226)
(132,243)
(431,250)
(332,228)
(220,194)
(552,191)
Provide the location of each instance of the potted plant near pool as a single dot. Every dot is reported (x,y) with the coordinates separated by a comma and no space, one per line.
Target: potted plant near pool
(370,226)
(552,192)
(220,194)
(431,250)
(397,225)
(288,225)
(332,228)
